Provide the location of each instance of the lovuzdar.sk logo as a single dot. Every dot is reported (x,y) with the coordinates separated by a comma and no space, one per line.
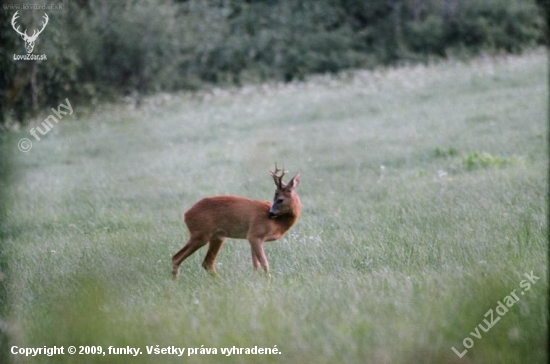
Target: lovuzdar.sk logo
(29,40)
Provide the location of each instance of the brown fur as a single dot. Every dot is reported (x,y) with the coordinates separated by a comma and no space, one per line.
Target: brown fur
(213,219)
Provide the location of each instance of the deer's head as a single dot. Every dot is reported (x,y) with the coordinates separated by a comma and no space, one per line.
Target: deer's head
(286,200)
(29,40)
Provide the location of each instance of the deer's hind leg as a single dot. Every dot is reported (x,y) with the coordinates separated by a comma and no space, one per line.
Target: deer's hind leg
(194,243)
(214,247)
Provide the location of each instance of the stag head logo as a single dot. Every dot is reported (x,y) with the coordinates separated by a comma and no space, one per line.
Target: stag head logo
(29,40)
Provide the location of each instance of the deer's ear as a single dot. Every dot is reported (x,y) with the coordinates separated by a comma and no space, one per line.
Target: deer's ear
(293,182)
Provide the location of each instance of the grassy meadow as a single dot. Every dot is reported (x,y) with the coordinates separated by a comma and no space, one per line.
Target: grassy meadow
(424,204)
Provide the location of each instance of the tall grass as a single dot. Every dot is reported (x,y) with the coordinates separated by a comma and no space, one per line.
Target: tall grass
(412,228)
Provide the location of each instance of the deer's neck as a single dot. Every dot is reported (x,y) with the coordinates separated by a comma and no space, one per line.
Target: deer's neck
(287,220)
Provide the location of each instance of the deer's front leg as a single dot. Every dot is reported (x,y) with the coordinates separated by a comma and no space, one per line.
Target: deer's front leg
(255,261)
(257,246)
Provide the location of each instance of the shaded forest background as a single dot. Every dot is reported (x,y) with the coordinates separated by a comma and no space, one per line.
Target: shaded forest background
(101,50)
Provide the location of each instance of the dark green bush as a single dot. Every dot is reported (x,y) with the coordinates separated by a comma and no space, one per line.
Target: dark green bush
(507,25)
(427,36)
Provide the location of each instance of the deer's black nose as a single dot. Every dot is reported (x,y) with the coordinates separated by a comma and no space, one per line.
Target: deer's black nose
(272,215)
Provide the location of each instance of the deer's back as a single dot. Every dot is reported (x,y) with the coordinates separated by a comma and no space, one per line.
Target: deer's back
(227,216)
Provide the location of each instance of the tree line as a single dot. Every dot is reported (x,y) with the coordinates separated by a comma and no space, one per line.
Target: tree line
(99,50)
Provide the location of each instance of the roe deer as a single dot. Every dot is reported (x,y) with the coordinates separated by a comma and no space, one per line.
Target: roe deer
(213,219)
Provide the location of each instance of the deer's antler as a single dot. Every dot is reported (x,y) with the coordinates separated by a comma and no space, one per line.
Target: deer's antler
(24,34)
(278,179)
(15,16)
(44,23)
